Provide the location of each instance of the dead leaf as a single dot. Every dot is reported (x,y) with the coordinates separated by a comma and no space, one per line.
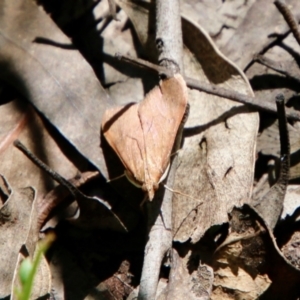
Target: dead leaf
(291,250)
(117,287)
(217,160)
(135,132)
(265,16)
(19,120)
(240,261)
(251,248)
(63,86)
(19,229)
(190,285)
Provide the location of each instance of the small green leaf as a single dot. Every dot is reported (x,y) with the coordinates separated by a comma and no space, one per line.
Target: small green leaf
(25,270)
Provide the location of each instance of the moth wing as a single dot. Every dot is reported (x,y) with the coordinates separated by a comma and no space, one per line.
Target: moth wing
(160,115)
(121,128)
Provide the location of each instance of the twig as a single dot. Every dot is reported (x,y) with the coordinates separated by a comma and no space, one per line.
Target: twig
(80,197)
(169,44)
(261,104)
(54,175)
(113,9)
(270,206)
(144,64)
(289,18)
(55,197)
(276,66)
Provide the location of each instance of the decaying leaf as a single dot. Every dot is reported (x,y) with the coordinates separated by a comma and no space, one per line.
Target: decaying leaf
(240,261)
(20,121)
(190,285)
(249,263)
(117,287)
(271,204)
(19,230)
(265,16)
(63,86)
(216,164)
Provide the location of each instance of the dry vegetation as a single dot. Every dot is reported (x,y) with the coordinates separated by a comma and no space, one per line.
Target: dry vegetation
(227,224)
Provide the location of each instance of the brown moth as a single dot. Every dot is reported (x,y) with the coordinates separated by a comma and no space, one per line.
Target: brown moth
(143,134)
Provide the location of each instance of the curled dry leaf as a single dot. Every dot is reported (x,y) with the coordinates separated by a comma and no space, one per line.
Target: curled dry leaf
(143,134)
(249,263)
(18,230)
(240,261)
(63,86)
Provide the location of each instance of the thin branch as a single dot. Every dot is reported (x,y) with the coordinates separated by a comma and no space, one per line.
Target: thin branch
(277,66)
(169,44)
(59,194)
(257,103)
(76,193)
(270,206)
(289,18)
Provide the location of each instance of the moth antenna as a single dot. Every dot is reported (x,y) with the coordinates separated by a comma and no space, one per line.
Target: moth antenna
(180,193)
(115,178)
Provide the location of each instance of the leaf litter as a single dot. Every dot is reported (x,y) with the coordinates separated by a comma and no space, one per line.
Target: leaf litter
(257,259)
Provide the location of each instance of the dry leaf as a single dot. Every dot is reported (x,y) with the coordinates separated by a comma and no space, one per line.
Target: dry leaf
(184,284)
(266,17)
(251,248)
(20,121)
(18,229)
(62,86)
(240,261)
(217,159)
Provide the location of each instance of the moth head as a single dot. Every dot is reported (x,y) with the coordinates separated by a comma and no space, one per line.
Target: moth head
(149,187)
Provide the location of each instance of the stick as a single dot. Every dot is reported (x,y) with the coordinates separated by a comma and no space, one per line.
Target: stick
(169,44)
(270,206)
(289,18)
(257,103)
(278,67)
(80,197)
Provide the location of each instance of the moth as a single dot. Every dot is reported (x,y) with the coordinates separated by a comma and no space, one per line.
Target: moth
(143,134)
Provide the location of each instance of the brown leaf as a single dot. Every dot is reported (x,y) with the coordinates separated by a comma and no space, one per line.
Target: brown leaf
(143,134)
(190,285)
(217,159)
(19,120)
(19,229)
(58,81)
(267,20)
(240,261)
(249,262)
